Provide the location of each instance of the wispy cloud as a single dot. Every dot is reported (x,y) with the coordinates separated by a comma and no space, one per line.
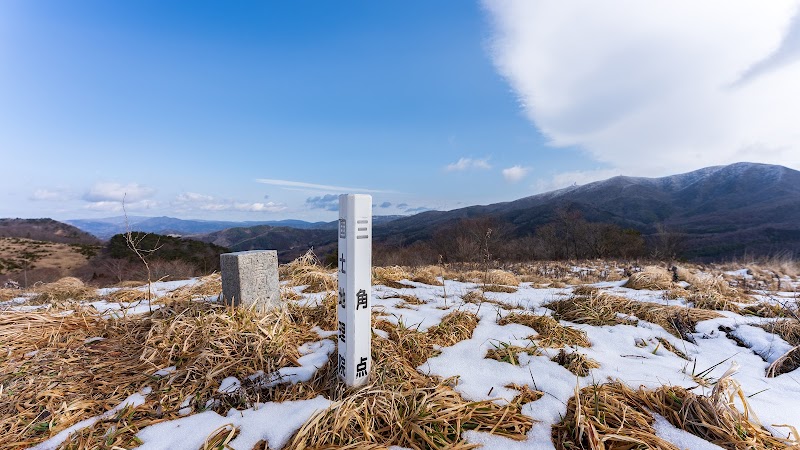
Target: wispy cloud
(54,195)
(203,202)
(515,174)
(468,163)
(328,202)
(116,206)
(194,197)
(319,187)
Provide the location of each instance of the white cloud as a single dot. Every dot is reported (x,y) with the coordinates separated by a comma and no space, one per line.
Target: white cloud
(116,192)
(468,163)
(188,201)
(53,195)
(318,187)
(516,173)
(657,87)
(193,197)
(116,206)
(246,207)
(578,177)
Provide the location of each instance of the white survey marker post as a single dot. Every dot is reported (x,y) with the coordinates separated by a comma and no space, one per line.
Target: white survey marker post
(355,288)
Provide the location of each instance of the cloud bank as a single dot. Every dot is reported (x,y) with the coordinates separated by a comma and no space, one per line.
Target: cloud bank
(656,87)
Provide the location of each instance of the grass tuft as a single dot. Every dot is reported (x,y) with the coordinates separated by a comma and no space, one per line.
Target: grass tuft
(551,334)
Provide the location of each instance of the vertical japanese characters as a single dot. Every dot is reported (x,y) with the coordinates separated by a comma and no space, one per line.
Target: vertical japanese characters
(355,288)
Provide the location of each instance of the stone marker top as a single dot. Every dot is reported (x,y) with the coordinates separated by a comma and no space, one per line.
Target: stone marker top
(250,279)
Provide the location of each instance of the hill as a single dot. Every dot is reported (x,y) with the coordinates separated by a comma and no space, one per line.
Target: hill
(716,212)
(289,242)
(45,230)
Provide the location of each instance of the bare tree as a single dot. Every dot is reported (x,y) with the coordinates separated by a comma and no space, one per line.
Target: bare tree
(134,241)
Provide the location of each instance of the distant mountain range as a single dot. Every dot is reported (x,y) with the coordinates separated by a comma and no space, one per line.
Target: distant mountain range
(720,212)
(743,209)
(107,227)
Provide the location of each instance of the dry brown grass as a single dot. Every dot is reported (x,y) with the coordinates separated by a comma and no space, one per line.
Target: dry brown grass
(54,256)
(8,294)
(713,300)
(585,290)
(526,394)
(785,364)
(551,334)
(428,275)
(604,417)
(768,310)
(668,345)
(65,289)
(505,352)
(403,407)
(490,277)
(575,362)
(204,341)
(499,288)
(613,416)
(604,309)
(787,329)
(651,278)
(390,276)
(308,271)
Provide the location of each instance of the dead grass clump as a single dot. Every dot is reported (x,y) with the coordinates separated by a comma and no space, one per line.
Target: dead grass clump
(575,362)
(454,327)
(505,352)
(714,418)
(668,345)
(526,394)
(651,278)
(785,364)
(67,288)
(614,416)
(475,296)
(287,293)
(605,309)
(787,329)
(585,290)
(551,334)
(308,271)
(411,299)
(126,296)
(490,277)
(605,417)
(597,310)
(763,309)
(428,275)
(84,377)
(713,300)
(390,276)
(406,408)
(207,343)
(676,293)
(499,288)
(8,294)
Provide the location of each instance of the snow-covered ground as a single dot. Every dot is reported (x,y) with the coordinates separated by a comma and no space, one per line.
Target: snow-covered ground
(619,350)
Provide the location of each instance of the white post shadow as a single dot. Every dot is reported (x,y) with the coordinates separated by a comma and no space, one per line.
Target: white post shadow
(355,288)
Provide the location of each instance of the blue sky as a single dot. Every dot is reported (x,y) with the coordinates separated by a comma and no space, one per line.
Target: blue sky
(259,110)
